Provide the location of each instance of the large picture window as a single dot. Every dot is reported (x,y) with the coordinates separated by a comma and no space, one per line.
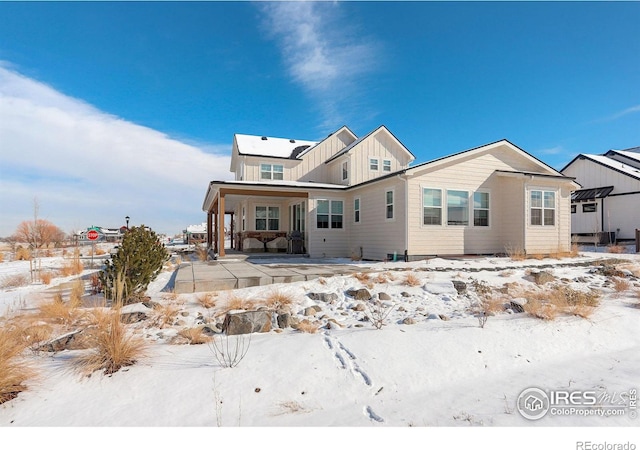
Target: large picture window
(481,209)
(329,214)
(271,171)
(431,206)
(543,208)
(267,218)
(457,207)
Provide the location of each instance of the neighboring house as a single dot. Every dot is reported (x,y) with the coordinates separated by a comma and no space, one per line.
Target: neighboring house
(104,235)
(358,197)
(608,205)
(195,234)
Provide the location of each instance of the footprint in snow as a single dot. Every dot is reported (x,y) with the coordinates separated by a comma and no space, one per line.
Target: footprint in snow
(372,415)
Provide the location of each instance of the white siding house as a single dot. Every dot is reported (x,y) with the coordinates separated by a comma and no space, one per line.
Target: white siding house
(608,205)
(359,197)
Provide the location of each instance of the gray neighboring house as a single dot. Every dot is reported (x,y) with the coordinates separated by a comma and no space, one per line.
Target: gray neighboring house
(359,197)
(608,204)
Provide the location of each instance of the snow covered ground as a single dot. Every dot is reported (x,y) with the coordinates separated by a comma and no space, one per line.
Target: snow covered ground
(431,366)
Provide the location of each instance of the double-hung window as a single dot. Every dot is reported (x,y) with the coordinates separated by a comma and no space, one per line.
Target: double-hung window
(431,206)
(389,204)
(267,218)
(542,206)
(386,165)
(356,210)
(481,209)
(373,164)
(329,214)
(271,172)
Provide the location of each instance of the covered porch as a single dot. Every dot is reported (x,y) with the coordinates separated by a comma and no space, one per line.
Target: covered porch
(262,219)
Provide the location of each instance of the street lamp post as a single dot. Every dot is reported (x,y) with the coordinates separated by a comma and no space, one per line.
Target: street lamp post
(127,219)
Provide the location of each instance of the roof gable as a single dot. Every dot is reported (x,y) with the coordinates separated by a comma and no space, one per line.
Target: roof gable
(503,143)
(609,163)
(357,142)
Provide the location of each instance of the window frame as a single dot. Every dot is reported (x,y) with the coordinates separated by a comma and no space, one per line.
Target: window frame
(271,171)
(543,208)
(345,170)
(357,205)
(438,207)
(586,207)
(387,204)
(371,164)
(488,208)
(268,218)
(386,165)
(330,214)
(462,208)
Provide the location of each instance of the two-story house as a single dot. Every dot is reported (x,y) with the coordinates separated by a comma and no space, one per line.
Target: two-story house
(360,197)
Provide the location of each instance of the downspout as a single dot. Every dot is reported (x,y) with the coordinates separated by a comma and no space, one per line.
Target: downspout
(406,215)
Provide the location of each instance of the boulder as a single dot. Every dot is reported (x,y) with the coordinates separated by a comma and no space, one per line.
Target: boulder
(360,307)
(284,320)
(133,317)
(460,286)
(326,297)
(247,322)
(311,310)
(542,277)
(517,304)
(408,321)
(384,296)
(359,294)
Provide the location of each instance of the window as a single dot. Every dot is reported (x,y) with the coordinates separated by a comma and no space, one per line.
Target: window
(271,171)
(589,207)
(373,164)
(431,206)
(243,219)
(356,210)
(345,170)
(386,165)
(389,204)
(329,214)
(457,208)
(267,218)
(543,208)
(573,209)
(480,209)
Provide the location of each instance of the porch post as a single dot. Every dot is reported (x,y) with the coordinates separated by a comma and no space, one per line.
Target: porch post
(215,226)
(209,228)
(231,231)
(221,225)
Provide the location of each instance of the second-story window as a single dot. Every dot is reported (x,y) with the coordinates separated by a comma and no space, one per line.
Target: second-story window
(373,164)
(345,170)
(271,172)
(386,165)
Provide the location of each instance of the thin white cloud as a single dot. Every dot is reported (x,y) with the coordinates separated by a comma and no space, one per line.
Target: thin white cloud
(87,167)
(631,110)
(321,55)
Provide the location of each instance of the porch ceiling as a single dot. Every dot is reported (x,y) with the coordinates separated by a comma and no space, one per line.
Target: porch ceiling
(233,197)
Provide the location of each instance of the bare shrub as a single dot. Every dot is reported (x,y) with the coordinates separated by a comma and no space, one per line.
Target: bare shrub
(95,283)
(14,371)
(306,326)
(208,299)
(377,312)
(229,351)
(195,336)
(113,347)
(411,279)
(515,253)
(14,281)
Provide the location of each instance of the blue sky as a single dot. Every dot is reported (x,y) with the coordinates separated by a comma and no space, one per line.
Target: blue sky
(123,108)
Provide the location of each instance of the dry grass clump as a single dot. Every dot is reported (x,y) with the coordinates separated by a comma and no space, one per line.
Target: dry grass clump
(165,314)
(306,326)
(412,280)
(58,311)
(14,281)
(46,277)
(278,300)
(202,253)
(235,302)
(77,292)
(547,304)
(208,299)
(620,285)
(361,277)
(14,371)
(195,336)
(23,254)
(1,257)
(34,335)
(381,278)
(113,347)
(515,253)
(322,281)
(73,267)
(100,251)
(616,249)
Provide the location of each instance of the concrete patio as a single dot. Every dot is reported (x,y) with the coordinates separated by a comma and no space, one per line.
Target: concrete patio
(222,274)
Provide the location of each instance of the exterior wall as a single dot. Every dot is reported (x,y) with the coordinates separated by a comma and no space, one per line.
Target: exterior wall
(622,215)
(591,175)
(322,242)
(312,166)
(375,237)
(252,167)
(587,222)
(549,239)
(510,214)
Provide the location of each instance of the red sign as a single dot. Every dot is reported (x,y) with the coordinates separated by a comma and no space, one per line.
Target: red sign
(92,235)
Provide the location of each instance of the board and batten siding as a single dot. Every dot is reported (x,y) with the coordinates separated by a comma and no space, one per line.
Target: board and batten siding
(591,175)
(312,166)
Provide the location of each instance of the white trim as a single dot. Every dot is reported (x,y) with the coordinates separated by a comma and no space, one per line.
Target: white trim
(393,205)
(385,165)
(472,207)
(442,197)
(528,207)
(359,221)
(330,200)
(377,160)
(271,171)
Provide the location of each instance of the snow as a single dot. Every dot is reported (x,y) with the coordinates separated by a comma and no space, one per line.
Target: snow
(616,165)
(271,146)
(444,374)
